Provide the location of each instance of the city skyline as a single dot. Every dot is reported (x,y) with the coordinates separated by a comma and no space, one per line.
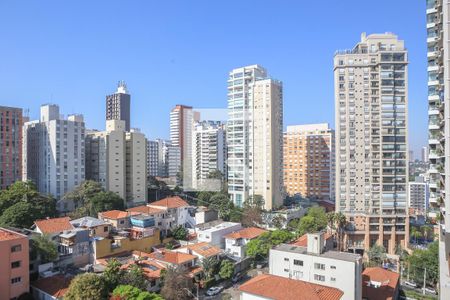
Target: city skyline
(173,47)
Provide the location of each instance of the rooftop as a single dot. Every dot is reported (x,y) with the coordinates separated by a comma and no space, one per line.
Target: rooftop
(116,214)
(281,288)
(303,240)
(88,222)
(170,202)
(246,233)
(350,257)
(215,225)
(204,249)
(145,209)
(8,235)
(171,257)
(56,285)
(54,225)
(379,284)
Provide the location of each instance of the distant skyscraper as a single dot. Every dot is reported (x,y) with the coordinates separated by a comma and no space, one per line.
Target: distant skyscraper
(309,161)
(255,136)
(152,158)
(182,120)
(371,141)
(118,160)
(425,154)
(11,123)
(209,152)
(411,156)
(438,56)
(53,151)
(118,105)
(418,196)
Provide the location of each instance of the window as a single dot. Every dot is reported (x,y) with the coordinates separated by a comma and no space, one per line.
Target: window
(16,248)
(122,222)
(286,259)
(286,270)
(319,266)
(15,264)
(319,277)
(105,229)
(333,267)
(333,279)
(298,262)
(16,280)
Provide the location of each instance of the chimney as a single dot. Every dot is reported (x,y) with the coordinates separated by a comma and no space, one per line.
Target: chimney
(315,243)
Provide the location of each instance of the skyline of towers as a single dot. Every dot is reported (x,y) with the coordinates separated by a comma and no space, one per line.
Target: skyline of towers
(371,97)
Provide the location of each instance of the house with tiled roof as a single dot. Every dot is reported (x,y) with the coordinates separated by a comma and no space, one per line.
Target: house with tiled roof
(380,284)
(97,227)
(201,250)
(53,226)
(235,242)
(54,287)
(177,259)
(328,242)
(117,218)
(266,286)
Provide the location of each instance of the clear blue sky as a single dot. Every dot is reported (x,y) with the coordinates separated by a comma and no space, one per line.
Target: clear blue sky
(73,52)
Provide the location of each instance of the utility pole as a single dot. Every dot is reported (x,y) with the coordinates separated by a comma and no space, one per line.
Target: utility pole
(424,281)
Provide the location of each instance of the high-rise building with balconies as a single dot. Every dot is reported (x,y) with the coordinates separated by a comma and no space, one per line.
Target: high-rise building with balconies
(255,136)
(118,105)
(371,98)
(438,38)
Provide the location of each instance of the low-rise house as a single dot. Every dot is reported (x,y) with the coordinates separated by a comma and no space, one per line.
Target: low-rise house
(53,227)
(97,227)
(235,242)
(266,286)
(312,264)
(14,264)
(214,232)
(51,288)
(177,259)
(201,250)
(73,247)
(379,284)
(117,218)
(204,214)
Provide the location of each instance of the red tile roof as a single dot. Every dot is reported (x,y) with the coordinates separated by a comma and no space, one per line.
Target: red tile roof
(281,288)
(171,257)
(303,240)
(387,280)
(246,233)
(116,214)
(56,285)
(54,225)
(144,209)
(204,249)
(8,235)
(170,202)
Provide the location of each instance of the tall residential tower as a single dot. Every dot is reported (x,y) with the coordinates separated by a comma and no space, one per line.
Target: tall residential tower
(371,97)
(118,105)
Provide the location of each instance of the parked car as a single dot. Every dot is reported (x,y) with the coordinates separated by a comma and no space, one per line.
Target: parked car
(236,277)
(215,290)
(430,290)
(411,284)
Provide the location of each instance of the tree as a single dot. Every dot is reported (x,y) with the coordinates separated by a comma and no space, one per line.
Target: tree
(129,292)
(278,221)
(315,220)
(341,222)
(204,198)
(209,265)
(226,269)
(427,259)
(103,201)
(18,191)
(20,215)
(259,248)
(427,231)
(44,247)
(87,286)
(280,236)
(112,274)
(330,220)
(134,276)
(84,192)
(376,255)
(180,233)
(254,201)
(416,234)
(177,284)
(222,204)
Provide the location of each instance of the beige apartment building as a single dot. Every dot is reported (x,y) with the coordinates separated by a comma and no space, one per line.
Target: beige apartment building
(255,136)
(117,159)
(308,158)
(371,97)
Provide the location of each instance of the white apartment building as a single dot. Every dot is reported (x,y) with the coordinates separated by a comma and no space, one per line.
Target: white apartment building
(158,158)
(371,98)
(341,270)
(53,151)
(255,137)
(209,154)
(418,196)
(236,242)
(438,38)
(214,232)
(117,160)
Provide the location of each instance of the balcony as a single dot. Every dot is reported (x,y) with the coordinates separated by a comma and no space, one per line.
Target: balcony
(432,54)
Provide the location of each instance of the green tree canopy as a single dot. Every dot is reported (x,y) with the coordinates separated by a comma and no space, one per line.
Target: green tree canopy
(259,248)
(103,201)
(84,191)
(209,265)
(226,269)
(128,292)
(376,255)
(177,283)
(18,191)
(112,274)
(315,220)
(87,286)
(134,276)
(44,247)
(180,233)
(427,259)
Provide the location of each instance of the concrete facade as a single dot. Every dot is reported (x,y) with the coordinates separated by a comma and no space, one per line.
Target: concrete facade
(118,105)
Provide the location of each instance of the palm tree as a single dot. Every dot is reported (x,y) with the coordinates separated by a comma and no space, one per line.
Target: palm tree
(330,220)
(209,265)
(415,234)
(426,231)
(341,222)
